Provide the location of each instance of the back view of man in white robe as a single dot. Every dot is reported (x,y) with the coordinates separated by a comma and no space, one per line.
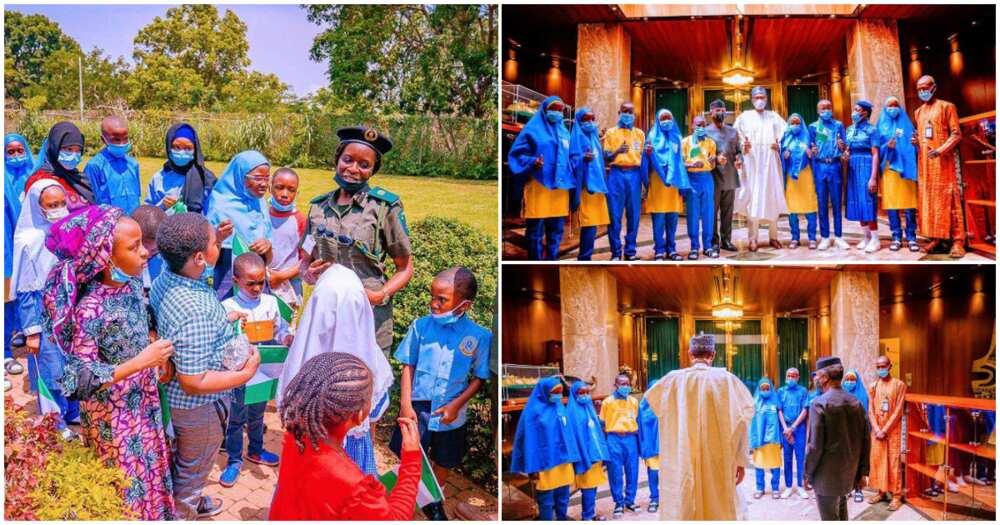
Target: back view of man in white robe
(761,195)
(704,415)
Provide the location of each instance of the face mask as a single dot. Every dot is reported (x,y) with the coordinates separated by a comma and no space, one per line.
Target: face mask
(925,95)
(583,400)
(624,391)
(243,294)
(208,272)
(555,398)
(849,385)
(69,159)
(718,117)
(700,132)
(17,162)
(588,126)
(118,150)
(883,372)
(448,317)
(181,158)
(554,116)
(856,117)
(626,120)
(759,103)
(893,112)
(350,187)
(281,207)
(826,115)
(118,276)
(791,382)
(765,394)
(55,214)
(795,128)
(666,125)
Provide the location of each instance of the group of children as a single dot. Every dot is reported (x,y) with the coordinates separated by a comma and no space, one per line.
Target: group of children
(216,255)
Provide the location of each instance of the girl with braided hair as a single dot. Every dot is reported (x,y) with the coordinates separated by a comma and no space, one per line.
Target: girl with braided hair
(330,395)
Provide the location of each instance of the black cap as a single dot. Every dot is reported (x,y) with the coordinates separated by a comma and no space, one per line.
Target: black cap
(717,103)
(824,362)
(368,136)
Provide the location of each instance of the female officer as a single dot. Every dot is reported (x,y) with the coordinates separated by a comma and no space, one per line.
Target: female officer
(359,227)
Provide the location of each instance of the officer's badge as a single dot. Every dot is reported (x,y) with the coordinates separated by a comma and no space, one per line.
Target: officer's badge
(402,220)
(371,135)
(468,346)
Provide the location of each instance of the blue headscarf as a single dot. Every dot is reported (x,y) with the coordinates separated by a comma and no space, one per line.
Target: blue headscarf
(666,158)
(796,143)
(765,427)
(649,429)
(589,175)
(14,178)
(859,390)
(935,419)
(544,438)
(902,158)
(551,141)
(18,175)
(231,200)
(587,428)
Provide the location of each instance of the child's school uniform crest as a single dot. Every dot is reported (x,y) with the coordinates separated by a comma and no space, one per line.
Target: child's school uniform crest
(468,346)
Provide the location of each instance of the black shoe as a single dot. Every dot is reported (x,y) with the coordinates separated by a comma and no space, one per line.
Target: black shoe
(660,257)
(435,512)
(631,257)
(728,246)
(713,253)
(676,257)
(653,507)
(693,256)
(632,507)
(18,340)
(618,513)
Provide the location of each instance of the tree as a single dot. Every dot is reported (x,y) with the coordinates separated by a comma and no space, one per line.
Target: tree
(409,58)
(29,42)
(105,81)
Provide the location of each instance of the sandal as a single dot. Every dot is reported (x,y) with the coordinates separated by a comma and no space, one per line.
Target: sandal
(812,245)
(794,244)
(209,507)
(753,246)
(895,504)
(914,247)
(13,367)
(775,495)
(895,245)
(758,495)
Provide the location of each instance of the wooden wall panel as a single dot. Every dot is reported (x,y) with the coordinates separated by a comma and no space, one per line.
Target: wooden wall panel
(527,325)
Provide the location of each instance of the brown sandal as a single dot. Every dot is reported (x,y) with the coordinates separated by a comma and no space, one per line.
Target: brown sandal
(895,504)
(876,498)
(753,245)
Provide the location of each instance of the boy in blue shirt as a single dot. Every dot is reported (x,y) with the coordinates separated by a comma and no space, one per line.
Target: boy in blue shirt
(438,353)
(113,173)
(793,407)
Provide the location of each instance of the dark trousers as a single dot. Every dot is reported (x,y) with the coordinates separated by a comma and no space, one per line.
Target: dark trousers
(552,504)
(544,236)
(829,189)
(664,232)
(896,225)
(588,234)
(832,508)
(724,201)
(243,416)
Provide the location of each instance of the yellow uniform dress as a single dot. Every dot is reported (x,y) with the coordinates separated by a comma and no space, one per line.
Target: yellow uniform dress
(662,199)
(555,477)
(897,193)
(800,194)
(541,202)
(634,138)
(767,456)
(593,209)
(594,477)
(620,415)
(935,453)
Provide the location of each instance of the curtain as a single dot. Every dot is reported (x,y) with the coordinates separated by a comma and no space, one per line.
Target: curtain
(803,100)
(676,100)
(707,326)
(793,345)
(662,346)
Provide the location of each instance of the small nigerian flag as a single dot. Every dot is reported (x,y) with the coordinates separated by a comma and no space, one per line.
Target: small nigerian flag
(263,386)
(46,403)
(239,247)
(428,491)
(178,207)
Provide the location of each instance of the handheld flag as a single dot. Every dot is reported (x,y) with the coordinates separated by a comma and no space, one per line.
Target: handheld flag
(428,491)
(286,311)
(263,386)
(239,247)
(46,403)
(178,207)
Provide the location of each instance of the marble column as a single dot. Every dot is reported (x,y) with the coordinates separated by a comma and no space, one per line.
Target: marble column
(590,317)
(873,62)
(854,314)
(603,70)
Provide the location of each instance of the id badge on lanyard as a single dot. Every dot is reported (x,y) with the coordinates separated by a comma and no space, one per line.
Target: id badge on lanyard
(885,405)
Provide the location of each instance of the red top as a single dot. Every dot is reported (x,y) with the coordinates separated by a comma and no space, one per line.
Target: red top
(73,199)
(327,485)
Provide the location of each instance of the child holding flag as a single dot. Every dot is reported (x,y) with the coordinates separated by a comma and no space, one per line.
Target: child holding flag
(288,225)
(439,352)
(249,275)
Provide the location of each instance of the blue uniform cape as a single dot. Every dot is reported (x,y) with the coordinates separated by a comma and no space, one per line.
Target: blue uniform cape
(859,391)
(649,429)
(230,199)
(666,158)
(796,144)
(592,445)
(765,427)
(551,141)
(902,158)
(18,175)
(544,438)
(115,180)
(589,176)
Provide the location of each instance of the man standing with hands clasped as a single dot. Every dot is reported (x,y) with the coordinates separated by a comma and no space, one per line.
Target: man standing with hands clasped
(838,447)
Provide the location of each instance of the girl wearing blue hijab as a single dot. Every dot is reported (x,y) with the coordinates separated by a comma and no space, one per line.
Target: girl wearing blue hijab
(800,191)
(765,437)
(590,196)
(852,385)
(540,153)
(649,449)
(863,145)
(239,197)
(899,173)
(18,165)
(592,445)
(665,178)
(545,443)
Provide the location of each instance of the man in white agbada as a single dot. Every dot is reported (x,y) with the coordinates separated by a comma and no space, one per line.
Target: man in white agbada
(704,414)
(761,196)
(339,318)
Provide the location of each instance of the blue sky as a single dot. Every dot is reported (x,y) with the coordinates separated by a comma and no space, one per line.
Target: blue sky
(279,35)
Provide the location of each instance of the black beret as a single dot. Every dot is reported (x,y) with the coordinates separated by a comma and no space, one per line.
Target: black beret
(367,136)
(824,362)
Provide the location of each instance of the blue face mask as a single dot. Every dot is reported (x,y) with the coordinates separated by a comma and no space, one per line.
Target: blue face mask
(893,112)
(588,126)
(584,399)
(700,132)
(554,116)
(826,115)
(281,207)
(17,162)
(666,125)
(69,160)
(765,394)
(118,150)
(925,95)
(181,157)
(208,272)
(856,117)
(555,398)
(883,372)
(448,317)
(624,391)
(794,128)
(118,276)
(350,187)
(626,120)
(849,385)
(791,382)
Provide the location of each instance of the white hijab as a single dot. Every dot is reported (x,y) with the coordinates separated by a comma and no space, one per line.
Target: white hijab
(339,318)
(32,260)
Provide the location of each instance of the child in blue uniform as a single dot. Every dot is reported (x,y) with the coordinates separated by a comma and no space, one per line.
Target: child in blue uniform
(765,438)
(793,409)
(620,415)
(593,447)
(438,353)
(649,449)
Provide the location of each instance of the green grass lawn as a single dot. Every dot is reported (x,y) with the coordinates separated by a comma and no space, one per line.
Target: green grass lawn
(473,202)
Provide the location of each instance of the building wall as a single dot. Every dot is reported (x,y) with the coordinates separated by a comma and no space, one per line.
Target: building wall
(528,323)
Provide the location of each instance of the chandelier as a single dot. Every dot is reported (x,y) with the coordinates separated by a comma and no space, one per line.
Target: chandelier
(726,307)
(737,76)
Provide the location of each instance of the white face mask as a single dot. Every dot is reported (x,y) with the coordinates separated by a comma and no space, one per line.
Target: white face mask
(55,214)
(759,103)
